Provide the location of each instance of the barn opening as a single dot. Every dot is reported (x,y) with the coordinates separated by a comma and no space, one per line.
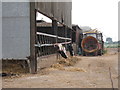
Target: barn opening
(48,33)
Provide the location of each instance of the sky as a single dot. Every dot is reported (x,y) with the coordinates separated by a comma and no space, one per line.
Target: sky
(100,14)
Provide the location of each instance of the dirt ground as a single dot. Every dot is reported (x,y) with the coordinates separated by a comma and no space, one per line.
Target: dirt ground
(88,72)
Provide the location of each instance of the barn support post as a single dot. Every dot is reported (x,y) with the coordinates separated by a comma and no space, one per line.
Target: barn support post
(33,59)
(65,27)
(77,39)
(55,29)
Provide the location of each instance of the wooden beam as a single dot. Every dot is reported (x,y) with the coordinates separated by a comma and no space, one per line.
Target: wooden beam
(33,60)
(55,29)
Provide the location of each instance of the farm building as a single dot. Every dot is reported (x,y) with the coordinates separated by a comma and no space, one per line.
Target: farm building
(20,33)
(46,37)
(77,36)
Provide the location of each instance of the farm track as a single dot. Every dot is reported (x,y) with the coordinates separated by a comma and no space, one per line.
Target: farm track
(89,72)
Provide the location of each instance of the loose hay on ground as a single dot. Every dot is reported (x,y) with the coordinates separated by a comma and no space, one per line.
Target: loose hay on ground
(58,66)
(13,68)
(68,62)
(72,69)
(61,67)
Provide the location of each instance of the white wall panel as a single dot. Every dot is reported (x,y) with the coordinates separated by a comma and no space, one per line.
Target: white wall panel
(15,30)
(0,30)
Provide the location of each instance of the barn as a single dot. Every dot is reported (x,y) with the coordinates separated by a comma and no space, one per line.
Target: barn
(20,34)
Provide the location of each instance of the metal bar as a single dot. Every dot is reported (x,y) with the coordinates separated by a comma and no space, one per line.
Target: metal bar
(39,33)
(42,45)
(49,35)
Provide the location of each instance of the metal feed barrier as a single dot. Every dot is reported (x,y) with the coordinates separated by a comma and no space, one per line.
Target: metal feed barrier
(45,44)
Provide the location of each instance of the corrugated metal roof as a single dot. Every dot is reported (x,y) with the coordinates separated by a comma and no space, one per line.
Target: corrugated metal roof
(93,31)
(61,11)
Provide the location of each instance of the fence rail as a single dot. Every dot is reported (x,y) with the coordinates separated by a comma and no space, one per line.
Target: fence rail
(49,35)
(46,43)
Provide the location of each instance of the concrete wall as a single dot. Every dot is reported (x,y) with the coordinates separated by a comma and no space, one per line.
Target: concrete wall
(15,30)
(0,30)
(41,62)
